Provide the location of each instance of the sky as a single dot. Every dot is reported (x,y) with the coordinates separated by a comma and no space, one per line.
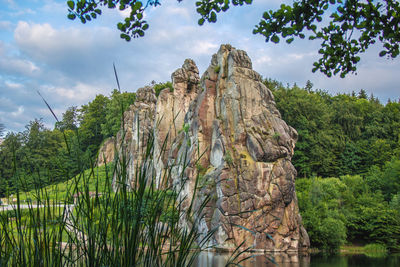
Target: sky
(69,63)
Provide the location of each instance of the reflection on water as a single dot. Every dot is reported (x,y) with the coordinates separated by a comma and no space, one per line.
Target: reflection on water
(213,259)
(358,260)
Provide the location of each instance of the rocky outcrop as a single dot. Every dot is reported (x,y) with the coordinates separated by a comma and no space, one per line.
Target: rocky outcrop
(106,152)
(225,130)
(138,127)
(171,109)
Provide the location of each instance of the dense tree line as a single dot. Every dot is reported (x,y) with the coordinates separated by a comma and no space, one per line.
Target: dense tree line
(352,209)
(341,134)
(350,139)
(39,156)
(354,141)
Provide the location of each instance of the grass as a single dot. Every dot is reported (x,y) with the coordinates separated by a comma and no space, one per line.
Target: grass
(124,223)
(89,179)
(31,221)
(370,250)
(132,224)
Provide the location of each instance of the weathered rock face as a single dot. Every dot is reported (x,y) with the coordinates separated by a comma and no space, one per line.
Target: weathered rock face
(230,118)
(107,151)
(136,129)
(171,109)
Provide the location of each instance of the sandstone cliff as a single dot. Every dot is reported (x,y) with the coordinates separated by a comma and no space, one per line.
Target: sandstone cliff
(224,129)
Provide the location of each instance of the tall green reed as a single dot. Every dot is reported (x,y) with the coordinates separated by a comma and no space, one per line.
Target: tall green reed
(124,222)
(136,223)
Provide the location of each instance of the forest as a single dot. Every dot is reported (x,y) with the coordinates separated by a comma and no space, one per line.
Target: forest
(347,158)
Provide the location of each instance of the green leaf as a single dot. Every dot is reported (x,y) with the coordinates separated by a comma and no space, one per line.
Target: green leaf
(382,53)
(313,27)
(266,15)
(275,39)
(71,4)
(201,21)
(125,36)
(201,11)
(290,40)
(138,5)
(71,16)
(139,16)
(213,17)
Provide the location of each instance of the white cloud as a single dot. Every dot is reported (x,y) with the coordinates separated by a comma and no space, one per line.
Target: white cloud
(13,85)
(125,13)
(19,111)
(5,104)
(43,42)
(260,61)
(179,11)
(300,56)
(18,66)
(12,63)
(205,48)
(80,92)
(10,3)
(21,12)
(5,25)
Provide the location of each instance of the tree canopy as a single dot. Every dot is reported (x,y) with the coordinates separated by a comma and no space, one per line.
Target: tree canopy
(347,157)
(1,129)
(345,29)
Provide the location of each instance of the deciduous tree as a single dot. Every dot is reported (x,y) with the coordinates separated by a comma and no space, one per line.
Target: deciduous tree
(345,28)
(1,129)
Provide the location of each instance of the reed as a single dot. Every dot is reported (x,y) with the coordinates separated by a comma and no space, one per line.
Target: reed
(120,223)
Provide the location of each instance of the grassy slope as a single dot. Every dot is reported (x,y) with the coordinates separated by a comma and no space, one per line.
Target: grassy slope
(90,179)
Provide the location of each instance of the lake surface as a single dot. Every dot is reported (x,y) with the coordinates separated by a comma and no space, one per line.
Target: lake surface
(211,259)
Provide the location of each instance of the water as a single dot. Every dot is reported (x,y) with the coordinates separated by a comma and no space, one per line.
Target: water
(212,259)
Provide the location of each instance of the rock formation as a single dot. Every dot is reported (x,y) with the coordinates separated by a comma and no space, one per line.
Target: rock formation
(225,129)
(106,151)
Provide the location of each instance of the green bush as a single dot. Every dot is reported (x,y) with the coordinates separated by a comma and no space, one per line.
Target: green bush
(332,233)
(375,248)
(161,86)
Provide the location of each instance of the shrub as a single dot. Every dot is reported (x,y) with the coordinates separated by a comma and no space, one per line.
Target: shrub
(161,86)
